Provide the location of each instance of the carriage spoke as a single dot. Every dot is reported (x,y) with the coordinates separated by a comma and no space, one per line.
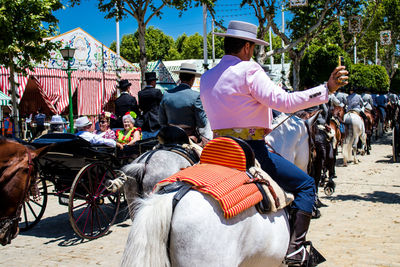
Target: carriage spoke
(82,213)
(100,184)
(87,218)
(31,200)
(80,195)
(25,215)
(90,180)
(84,187)
(98,219)
(104,214)
(80,205)
(31,209)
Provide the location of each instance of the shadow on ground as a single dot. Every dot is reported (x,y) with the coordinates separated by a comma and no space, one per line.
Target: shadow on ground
(375,197)
(58,229)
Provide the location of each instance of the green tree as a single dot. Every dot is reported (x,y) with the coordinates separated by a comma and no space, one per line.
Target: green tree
(318,63)
(142,11)
(305,25)
(179,42)
(218,45)
(192,47)
(158,46)
(387,18)
(373,77)
(395,83)
(24,26)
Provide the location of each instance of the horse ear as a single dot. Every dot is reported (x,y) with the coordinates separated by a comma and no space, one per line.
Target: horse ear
(41,151)
(313,118)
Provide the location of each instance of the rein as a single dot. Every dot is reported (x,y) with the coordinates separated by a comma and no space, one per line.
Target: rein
(273,149)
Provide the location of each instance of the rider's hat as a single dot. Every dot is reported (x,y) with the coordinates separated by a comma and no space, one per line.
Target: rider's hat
(188,68)
(242,30)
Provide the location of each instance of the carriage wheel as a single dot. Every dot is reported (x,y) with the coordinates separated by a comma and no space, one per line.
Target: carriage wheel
(33,210)
(92,208)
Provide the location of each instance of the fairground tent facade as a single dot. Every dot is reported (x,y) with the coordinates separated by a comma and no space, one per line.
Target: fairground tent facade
(167,78)
(93,79)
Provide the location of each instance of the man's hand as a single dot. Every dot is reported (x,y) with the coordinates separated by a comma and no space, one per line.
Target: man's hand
(338,79)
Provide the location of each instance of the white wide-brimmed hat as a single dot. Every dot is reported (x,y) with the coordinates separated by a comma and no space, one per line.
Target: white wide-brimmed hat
(82,122)
(56,119)
(188,68)
(242,30)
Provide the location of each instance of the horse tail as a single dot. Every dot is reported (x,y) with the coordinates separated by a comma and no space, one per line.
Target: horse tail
(147,243)
(348,130)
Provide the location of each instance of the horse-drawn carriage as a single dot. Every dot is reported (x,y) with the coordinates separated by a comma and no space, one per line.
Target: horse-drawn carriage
(80,173)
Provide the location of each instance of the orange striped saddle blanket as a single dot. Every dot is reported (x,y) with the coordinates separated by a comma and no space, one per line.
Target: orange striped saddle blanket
(221,173)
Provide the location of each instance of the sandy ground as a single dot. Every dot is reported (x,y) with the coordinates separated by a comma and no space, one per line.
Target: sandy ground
(360,225)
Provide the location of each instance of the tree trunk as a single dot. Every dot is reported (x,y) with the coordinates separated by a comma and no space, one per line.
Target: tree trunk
(260,54)
(296,73)
(14,99)
(142,47)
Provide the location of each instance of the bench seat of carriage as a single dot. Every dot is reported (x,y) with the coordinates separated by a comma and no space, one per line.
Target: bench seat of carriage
(70,143)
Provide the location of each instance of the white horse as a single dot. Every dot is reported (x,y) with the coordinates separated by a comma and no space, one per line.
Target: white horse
(354,131)
(291,139)
(145,171)
(197,234)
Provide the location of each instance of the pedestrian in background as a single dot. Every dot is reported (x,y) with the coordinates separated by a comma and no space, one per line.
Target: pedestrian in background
(124,103)
(149,104)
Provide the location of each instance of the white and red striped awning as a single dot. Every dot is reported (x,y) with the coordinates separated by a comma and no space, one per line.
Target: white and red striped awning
(94,89)
(5,81)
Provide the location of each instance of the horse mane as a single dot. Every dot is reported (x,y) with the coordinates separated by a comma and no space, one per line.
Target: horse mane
(2,139)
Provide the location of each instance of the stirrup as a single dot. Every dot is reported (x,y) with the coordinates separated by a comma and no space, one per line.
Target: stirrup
(314,257)
(295,262)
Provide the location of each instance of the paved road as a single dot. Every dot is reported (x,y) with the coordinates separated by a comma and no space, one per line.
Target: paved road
(359,227)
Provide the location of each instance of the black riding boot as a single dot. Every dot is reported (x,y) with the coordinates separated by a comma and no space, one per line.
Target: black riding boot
(297,255)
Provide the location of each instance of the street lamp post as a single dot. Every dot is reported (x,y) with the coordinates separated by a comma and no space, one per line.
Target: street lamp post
(68,54)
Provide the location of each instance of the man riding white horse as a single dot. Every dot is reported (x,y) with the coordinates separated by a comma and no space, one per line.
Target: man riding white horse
(238,98)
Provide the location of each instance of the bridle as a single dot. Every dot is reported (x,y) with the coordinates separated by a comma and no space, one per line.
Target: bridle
(10,220)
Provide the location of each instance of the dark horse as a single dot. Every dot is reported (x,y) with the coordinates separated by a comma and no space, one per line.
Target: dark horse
(17,174)
(370,126)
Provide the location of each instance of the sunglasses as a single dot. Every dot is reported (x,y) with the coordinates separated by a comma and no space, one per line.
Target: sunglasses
(103,121)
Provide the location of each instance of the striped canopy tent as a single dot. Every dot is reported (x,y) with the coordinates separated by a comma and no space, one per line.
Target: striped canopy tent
(4,99)
(48,89)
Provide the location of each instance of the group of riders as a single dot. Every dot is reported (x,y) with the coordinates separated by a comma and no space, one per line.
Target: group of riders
(237,98)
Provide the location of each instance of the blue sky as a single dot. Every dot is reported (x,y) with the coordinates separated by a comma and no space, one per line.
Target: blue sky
(90,19)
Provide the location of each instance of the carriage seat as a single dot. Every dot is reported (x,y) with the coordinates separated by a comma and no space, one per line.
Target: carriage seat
(56,138)
(230,152)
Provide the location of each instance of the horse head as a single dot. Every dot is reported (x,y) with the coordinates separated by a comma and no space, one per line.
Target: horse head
(17,173)
(338,112)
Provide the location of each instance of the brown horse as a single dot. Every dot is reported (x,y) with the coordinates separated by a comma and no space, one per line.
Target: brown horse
(369,127)
(17,173)
(336,119)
